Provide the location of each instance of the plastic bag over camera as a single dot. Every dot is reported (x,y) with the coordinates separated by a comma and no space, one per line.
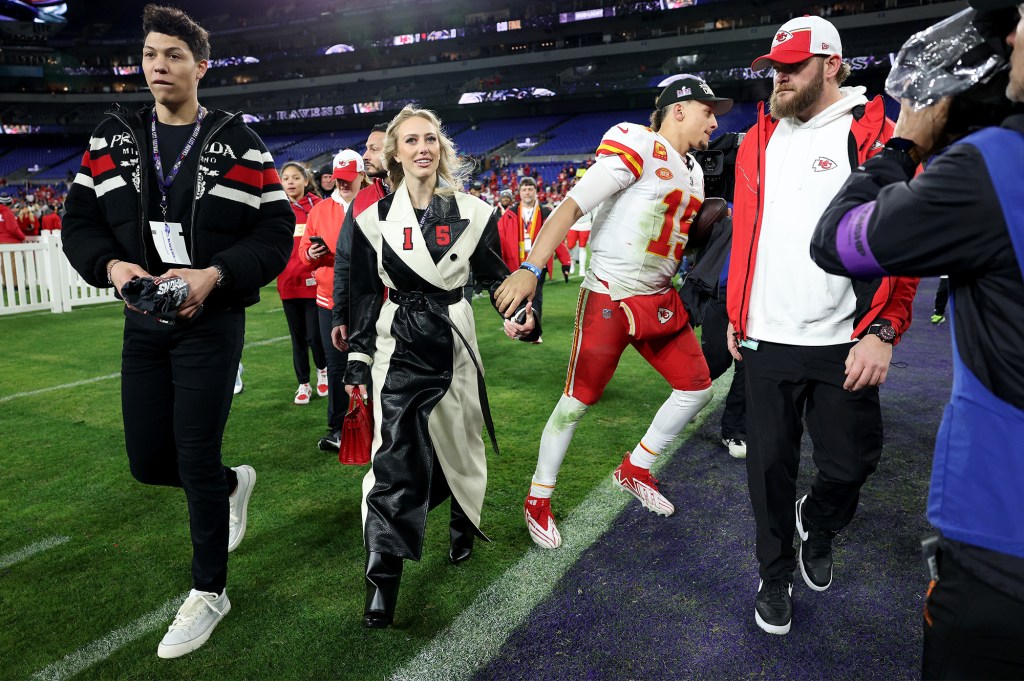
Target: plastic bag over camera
(943,60)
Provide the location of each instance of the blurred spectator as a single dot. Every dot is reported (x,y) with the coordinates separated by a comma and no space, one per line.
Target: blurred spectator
(11,231)
(50,220)
(297,288)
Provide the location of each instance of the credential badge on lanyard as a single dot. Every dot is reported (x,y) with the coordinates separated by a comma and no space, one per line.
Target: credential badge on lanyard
(168,237)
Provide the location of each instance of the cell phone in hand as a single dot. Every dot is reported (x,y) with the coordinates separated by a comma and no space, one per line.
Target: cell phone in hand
(318,240)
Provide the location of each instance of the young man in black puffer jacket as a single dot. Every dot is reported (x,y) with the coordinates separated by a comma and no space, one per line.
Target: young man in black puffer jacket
(176,190)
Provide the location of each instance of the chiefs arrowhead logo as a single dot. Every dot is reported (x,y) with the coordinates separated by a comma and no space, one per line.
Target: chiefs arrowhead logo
(782,36)
(877,145)
(822,164)
(664,315)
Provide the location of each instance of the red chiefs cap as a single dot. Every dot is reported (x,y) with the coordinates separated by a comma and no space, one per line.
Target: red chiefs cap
(347,165)
(799,39)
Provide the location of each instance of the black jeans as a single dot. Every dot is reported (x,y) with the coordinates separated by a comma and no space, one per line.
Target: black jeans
(974,630)
(304,327)
(337,361)
(716,353)
(176,390)
(785,383)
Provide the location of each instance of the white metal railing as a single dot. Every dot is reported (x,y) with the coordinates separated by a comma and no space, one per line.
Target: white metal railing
(35,275)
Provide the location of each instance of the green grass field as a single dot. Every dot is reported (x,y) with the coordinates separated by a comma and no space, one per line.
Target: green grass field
(296,581)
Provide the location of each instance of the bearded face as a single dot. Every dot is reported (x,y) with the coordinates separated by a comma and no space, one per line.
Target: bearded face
(797,87)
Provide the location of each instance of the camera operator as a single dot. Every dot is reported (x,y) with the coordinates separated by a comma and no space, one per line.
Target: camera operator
(964,215)
(703,292)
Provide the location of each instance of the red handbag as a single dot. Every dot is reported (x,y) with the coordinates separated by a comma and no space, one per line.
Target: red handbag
(356,432)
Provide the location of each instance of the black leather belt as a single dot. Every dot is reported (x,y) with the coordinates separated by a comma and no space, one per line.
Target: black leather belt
(419,299)
(436,303)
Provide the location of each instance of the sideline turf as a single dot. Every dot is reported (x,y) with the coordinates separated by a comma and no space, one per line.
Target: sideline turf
(295,583)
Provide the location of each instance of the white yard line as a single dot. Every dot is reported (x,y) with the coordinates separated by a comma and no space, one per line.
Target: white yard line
(9,559)
(97,651)
(475,637)
(96,379)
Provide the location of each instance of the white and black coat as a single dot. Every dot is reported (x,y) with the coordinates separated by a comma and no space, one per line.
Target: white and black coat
(410,324)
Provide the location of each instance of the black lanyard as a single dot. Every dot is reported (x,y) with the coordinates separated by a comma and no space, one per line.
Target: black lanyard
(165,183)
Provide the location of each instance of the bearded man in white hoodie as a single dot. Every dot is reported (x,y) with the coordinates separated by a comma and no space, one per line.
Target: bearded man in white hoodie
(815,346)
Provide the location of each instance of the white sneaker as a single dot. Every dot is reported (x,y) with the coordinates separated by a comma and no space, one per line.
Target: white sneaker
(238,505)
(194,623)
(321,382)
(238,379)
(737,447)
(303,394)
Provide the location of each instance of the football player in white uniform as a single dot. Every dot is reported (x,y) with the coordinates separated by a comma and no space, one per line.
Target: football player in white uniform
(646,190)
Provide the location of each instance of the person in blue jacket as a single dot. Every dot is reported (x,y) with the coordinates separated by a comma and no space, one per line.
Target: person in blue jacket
(963,216)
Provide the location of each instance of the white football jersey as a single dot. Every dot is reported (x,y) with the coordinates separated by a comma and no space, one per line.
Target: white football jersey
(639,232)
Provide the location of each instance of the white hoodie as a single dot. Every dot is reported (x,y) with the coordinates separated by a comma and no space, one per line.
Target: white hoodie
(792,300)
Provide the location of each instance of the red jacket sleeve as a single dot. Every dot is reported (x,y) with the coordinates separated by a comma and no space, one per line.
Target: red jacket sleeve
(508,227)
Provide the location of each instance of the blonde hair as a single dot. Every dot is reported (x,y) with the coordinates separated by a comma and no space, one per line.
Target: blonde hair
(844,72)
(452,172)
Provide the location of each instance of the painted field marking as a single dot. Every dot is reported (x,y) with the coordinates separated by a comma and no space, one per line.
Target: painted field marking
(117,374)
(97,651)
(9,559)
(476,636)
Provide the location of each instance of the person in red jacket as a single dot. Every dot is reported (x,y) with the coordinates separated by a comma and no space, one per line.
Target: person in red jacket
(325,223)
(517,231)
(10,229)
(297,288)
(815,346)
(50,219)
(519,226)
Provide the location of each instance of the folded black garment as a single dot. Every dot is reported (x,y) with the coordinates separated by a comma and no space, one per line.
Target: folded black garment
(159,296)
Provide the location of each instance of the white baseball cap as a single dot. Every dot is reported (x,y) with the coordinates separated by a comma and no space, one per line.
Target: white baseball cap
(347,165)
(799,39)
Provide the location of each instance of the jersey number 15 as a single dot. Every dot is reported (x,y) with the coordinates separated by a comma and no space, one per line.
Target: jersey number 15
(660,246)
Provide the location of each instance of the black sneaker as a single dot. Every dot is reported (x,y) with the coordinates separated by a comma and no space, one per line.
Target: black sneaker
(330,442)
(773,607)
(815,551)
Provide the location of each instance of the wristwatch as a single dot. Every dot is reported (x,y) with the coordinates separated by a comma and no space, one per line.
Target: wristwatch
(904,152)
(885,332)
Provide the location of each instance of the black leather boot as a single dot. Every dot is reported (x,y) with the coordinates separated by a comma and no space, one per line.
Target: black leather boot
(462,535)
(383,575)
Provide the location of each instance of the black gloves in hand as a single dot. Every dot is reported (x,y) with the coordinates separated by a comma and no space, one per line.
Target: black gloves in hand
(565,272)
(159,296)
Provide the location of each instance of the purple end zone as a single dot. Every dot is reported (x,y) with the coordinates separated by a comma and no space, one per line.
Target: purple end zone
(852,243)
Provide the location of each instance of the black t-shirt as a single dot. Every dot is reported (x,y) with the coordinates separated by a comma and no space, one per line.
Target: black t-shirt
(172,140)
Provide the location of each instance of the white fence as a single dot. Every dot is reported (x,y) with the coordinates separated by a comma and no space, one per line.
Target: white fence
(35,275)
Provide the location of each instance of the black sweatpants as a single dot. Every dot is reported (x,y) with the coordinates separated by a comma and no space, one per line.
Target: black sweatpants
(716,353)
(784,384)
(304,328)
(337,362)
(176,390)
(971,631)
